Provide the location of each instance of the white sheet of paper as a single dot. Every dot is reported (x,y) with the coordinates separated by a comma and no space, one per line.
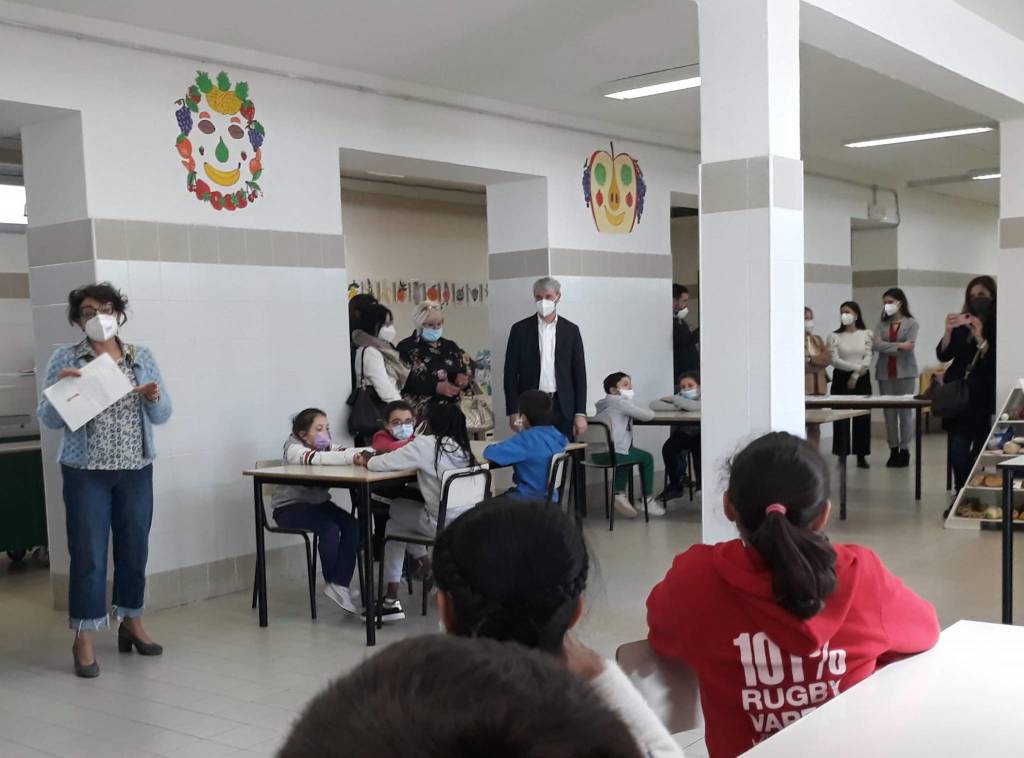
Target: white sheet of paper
(79,400)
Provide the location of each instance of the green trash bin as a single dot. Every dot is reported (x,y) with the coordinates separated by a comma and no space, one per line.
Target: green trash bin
(22,499)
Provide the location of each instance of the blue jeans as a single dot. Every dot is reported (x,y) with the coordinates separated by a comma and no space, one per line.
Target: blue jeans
(96,504)
(336,530)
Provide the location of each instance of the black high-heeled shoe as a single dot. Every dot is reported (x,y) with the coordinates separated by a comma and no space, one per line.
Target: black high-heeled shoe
(125,641)
(85,670)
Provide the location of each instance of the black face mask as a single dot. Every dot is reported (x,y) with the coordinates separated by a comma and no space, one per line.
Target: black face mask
(980,305)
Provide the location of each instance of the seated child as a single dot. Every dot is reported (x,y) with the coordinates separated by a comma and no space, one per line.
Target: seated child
(515,571)
(399,425)
(437,696)
(530,450)
(683,439)
(617,410)
(444,447)
(299,507)
(780,620)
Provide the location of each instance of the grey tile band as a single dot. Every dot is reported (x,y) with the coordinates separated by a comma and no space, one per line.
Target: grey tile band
(826,273)
(1011,233)
(13,286)
(114,239)
(540,262)
(910,277)
(747,183)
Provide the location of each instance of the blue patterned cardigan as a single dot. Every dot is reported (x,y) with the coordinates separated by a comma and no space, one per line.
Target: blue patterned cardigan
(74,447)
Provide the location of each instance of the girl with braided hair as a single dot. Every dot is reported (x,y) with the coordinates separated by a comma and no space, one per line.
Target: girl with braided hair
(779,621)
(515,570)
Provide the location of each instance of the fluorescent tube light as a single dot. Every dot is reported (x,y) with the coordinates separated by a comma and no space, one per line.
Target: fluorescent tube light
(386,174)
(919,137)
(986,176)
(656,89)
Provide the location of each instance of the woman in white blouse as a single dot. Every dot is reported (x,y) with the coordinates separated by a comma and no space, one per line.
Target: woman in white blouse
(376,359)
(850,347)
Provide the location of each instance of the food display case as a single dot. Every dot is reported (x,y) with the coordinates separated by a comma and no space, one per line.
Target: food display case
(979,505)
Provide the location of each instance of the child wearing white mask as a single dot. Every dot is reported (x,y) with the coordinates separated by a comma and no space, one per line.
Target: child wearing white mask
(684,439)
(618,411)
(297,507)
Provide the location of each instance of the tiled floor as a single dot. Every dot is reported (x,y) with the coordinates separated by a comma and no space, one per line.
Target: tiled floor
(225,687)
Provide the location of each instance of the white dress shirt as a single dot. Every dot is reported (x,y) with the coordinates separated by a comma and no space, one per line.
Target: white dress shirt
(546,335)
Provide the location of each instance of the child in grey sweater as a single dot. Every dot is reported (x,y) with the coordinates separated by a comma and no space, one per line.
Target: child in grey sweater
(618,411)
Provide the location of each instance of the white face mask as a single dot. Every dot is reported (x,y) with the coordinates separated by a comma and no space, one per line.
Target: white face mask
(626,393)
(101,327)
(847,318)
(545,308)
(808,326)
(388,333)
(683,313)
(891,309)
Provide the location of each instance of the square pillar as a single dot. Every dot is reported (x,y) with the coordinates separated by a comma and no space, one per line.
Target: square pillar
(1010,268)
(751,234)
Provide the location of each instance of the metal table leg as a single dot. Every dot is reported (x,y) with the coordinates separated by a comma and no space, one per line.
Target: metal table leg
(370,599)
(917,453)
(842,469)
(1007,546)
(261,552)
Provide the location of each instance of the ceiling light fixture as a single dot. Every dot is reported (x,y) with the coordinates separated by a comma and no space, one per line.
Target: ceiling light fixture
(918,137)
(654,83)
(978,177)
(386,174)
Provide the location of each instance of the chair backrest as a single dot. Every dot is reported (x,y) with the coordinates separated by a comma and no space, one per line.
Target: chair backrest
(268,489)
(558,475)
(669,686)
(598,438)
(461,488)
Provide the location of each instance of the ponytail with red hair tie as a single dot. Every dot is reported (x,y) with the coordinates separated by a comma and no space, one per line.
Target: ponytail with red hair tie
(775,508)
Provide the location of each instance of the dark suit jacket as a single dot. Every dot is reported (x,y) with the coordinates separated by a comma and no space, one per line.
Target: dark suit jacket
(684,350)
(522,365)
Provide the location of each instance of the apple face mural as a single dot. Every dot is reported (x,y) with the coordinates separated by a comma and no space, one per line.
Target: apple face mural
(614,190)
(220,142)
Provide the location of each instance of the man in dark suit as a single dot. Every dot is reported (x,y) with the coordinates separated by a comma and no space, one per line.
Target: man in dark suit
(684,342)
(545,352)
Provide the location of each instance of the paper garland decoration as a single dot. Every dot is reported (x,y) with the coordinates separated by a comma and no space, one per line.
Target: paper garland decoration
(414,291)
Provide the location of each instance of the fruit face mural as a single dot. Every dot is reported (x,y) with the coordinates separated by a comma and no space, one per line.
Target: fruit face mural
(614,190)
(220,142)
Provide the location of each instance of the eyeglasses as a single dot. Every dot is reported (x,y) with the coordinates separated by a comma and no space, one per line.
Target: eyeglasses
(399,422)
(89,312)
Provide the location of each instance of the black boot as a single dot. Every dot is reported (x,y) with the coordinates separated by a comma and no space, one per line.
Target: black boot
(862,462)
(894,458)
(904,459)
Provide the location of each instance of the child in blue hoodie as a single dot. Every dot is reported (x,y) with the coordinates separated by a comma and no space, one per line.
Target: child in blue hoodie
(530,451)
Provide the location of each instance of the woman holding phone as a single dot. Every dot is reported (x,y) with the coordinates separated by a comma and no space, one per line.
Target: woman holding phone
(970,343)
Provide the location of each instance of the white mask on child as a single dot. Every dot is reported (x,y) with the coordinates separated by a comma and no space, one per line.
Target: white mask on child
(626,393)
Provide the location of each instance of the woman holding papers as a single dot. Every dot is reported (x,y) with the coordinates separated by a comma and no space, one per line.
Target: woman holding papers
(107,468)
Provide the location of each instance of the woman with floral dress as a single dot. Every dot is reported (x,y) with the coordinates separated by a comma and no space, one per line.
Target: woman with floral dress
(439,370)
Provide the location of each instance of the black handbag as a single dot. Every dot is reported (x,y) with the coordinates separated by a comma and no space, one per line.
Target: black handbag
(366,414)
(950,399)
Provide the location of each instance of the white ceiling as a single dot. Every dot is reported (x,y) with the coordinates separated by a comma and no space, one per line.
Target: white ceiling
(1007,14)
(555,57)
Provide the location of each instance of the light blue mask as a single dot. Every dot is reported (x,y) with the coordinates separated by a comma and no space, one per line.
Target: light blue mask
(402,432)
(690,394)
(432,335)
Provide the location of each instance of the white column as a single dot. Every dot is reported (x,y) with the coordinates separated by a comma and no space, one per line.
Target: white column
(1010,281)
(751,233)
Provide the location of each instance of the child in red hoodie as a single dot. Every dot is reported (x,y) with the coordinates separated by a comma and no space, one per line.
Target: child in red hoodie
(398,428)
(780,621)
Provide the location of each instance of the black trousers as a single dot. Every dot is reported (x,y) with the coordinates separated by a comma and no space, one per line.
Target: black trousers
(963,452)
(673,452)
(559,421)
(861,425)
